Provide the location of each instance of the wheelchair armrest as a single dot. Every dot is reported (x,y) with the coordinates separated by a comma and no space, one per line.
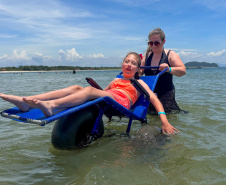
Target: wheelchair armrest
(140,88)
(93,83)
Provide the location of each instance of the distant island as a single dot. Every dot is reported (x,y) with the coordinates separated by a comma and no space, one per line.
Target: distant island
(196,65)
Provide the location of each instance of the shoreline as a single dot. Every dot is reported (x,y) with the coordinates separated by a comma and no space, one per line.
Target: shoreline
(35,71)
(54,71)
(200,67)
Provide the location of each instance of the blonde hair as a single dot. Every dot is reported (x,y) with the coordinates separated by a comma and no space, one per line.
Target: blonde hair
(156,31)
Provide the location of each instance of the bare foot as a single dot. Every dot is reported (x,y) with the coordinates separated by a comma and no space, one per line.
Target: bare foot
(44,106)
(16,100)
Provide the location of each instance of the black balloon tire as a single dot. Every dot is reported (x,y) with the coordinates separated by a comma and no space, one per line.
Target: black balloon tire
(73,131)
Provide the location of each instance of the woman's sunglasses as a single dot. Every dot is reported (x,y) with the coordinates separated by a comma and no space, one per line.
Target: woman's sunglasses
(156,43)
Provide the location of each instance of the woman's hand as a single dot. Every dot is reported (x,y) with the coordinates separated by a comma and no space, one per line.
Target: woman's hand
(169,129)
(163,66)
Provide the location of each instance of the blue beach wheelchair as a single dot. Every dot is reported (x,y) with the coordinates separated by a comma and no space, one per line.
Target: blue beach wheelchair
(78,126)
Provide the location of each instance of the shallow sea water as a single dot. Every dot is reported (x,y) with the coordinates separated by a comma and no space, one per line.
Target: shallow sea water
(195,156)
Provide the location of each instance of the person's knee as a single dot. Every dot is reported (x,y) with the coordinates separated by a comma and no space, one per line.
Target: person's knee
(90,89)
(76,88)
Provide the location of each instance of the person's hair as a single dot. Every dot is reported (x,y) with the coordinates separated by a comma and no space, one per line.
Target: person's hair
(157,31)
(138,60)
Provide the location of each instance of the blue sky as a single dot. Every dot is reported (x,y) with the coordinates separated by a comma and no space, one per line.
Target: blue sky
(102,32)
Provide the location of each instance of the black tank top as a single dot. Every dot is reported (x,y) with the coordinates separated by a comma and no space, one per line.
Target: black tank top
(165,81)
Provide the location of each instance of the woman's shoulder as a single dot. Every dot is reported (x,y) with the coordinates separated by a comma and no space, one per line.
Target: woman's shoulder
(174,58)
(169,51)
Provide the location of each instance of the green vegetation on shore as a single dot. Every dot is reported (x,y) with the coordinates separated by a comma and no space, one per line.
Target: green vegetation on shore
(188,65)
(54,68)
(195,64)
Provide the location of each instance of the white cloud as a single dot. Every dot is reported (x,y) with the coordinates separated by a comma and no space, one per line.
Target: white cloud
(212,57)
(16,59)
(217,54)
(19,56)
(70,55)
(40,59)
(189,55)
(178,49)
(99,55)
(3,58)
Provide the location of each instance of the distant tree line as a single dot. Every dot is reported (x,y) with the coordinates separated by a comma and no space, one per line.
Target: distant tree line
(52,68)
(200,64)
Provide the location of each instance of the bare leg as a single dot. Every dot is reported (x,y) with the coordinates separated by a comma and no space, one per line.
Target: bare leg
(44,106)
(57,93)
(23,106)
(48,107)
(16,100)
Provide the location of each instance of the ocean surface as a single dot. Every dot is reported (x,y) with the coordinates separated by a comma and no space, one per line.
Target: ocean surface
(196,156)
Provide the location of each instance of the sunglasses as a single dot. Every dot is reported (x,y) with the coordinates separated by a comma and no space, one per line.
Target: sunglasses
(156,43)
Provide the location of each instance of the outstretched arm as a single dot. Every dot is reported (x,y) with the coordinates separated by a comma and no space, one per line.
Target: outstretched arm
(167,128)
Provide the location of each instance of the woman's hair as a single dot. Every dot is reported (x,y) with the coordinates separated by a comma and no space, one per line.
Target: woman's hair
(138,60)
(157,31)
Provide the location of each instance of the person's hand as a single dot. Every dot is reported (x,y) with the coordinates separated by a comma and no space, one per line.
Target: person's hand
(169,129)
(163,66)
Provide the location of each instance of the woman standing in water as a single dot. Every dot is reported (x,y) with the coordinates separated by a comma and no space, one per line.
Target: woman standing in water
(156,55)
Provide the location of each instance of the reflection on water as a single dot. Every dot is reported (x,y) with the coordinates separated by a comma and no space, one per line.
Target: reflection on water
(195,156)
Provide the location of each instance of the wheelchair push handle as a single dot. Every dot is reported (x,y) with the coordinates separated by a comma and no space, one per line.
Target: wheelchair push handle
(155,67)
